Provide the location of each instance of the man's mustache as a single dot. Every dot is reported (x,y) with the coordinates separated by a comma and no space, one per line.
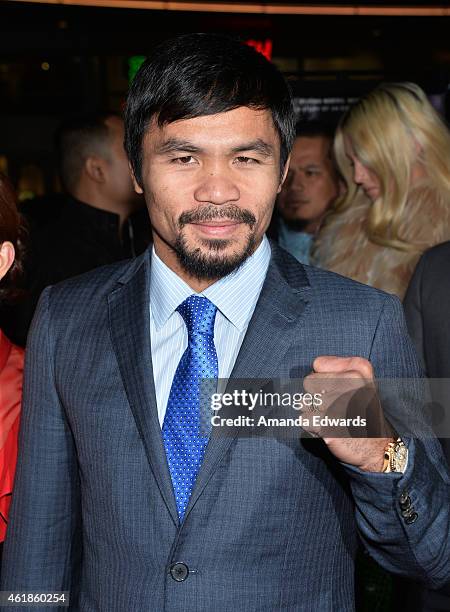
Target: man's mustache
(211,213)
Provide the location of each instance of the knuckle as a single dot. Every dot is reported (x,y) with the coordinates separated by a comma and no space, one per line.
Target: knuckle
(361,366)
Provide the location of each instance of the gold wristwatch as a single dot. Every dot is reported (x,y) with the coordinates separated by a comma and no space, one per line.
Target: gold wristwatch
(395,457)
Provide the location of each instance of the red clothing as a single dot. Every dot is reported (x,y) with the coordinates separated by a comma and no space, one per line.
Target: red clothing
(11,370)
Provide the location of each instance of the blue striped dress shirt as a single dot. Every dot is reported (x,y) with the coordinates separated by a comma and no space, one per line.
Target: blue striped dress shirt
(234,295)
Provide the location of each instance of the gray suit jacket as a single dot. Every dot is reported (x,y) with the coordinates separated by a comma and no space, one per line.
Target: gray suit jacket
(271,523)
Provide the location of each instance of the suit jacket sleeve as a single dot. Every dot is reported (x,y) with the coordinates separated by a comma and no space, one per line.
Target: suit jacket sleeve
(420,549)
(42,547)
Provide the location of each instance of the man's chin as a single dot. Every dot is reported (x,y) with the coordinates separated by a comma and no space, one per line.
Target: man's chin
(213,258)
(216,245)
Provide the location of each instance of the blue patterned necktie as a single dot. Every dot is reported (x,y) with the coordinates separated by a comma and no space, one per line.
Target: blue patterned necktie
(184,445)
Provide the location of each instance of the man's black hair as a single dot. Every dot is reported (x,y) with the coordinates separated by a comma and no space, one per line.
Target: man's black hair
(76,139)
(204,74)
(319,129)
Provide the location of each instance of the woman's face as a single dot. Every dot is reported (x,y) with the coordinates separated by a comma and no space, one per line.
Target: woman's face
(362,175)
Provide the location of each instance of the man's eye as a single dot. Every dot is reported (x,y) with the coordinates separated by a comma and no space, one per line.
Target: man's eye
(311,173)
(186,160)
(242,159)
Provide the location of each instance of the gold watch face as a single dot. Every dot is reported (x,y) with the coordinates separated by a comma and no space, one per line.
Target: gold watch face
(399,457)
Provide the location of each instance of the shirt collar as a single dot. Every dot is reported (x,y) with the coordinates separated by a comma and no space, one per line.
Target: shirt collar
(235,295)
(296,243)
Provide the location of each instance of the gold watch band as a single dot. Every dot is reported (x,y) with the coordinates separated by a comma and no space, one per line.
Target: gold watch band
(395,456)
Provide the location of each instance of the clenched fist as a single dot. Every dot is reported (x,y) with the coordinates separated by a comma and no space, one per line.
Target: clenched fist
(346,385)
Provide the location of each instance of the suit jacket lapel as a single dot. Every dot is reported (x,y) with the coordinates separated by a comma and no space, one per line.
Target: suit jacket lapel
(277,316)
(129,318)
(272,329)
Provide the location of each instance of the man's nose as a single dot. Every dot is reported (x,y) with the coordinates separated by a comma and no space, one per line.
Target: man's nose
(300,178)
(295,180)
(217,186)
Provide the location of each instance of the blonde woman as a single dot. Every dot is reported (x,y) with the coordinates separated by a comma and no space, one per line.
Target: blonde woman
(393,151)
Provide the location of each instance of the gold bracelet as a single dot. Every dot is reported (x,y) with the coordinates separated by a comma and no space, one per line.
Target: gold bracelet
(395,457)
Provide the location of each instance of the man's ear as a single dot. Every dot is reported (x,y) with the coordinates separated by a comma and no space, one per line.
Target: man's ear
(285,173)
(137,187)
(7,255)
(95,169)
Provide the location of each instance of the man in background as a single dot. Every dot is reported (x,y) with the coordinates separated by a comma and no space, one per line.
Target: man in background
(311,187)
(99,220)
(427,308)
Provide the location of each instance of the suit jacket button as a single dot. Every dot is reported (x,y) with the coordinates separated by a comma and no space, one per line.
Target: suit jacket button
(411,518)
(404,498)
(405,503)
(179,571)
(407,512)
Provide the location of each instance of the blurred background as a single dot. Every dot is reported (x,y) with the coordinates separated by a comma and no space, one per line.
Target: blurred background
(61,58)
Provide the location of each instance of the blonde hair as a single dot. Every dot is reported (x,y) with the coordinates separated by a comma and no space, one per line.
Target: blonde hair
(389,129)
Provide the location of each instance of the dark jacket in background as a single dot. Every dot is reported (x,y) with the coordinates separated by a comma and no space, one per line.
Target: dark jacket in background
(67,238)
(427,309)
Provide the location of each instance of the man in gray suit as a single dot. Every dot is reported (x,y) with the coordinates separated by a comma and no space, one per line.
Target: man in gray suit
(119,498)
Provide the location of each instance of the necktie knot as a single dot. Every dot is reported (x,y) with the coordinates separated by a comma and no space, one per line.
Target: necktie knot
(198,314)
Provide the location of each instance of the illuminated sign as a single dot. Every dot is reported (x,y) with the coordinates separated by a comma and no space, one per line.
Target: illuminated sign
(262,46)
(134,63)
